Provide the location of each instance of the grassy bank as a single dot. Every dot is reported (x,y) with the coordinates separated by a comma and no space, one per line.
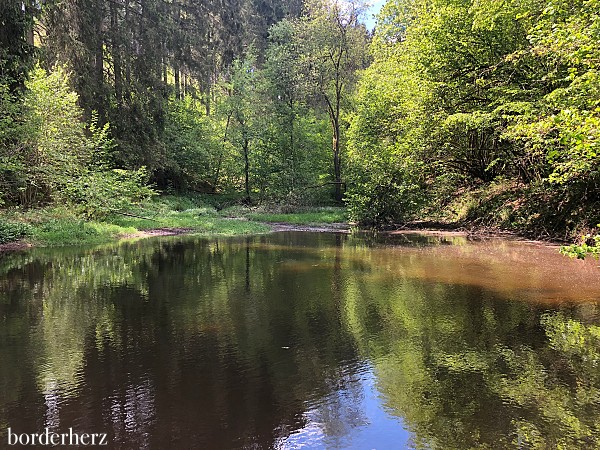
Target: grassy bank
(59,226)
(298,216)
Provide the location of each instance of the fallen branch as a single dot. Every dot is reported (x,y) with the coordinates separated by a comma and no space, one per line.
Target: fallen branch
(137,217)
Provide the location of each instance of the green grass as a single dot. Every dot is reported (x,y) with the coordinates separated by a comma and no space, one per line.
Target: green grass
(55,226)
(196,220)
(185,212)
(73,231)
(60,226)
(311,216)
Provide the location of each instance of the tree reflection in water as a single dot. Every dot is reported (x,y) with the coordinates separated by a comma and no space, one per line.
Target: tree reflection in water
(298,339)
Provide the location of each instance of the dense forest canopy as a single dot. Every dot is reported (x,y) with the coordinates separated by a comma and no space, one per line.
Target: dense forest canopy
(454,109)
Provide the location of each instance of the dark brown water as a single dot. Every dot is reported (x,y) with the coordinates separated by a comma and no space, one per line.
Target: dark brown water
(303,340)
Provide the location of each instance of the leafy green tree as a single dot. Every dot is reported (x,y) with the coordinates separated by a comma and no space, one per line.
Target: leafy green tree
(333,47)
(241,106)
(385,138)
(478,92)
(292,154)
(192,146)
(64,159)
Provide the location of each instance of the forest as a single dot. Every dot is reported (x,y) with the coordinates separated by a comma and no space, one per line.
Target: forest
(450,111)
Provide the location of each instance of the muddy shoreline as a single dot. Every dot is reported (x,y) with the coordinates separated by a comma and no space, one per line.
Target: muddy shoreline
(425,227)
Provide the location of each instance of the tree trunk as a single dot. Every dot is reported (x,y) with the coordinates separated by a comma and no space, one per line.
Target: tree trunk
(220,162)
(247,169)
(128,52)
(116,54)
(337,163)
(177,85)
(292,145)
(99,66)
(206,93)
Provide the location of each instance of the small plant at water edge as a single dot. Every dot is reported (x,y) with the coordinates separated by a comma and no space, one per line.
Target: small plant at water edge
(589,246)
(10,231)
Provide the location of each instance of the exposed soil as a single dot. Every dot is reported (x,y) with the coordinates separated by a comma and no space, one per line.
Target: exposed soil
(14,246)
(429,227)
(474,231)
(158,232)
(325,228)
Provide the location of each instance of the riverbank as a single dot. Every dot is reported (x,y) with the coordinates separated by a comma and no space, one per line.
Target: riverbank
(173,215)
(167,215)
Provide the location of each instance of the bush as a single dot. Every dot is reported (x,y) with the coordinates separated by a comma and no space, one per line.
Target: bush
(98,194)
(589,246)
(66,161)
(387,194)
(10,231)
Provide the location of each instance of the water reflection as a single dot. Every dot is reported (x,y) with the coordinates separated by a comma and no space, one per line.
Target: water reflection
(303,340)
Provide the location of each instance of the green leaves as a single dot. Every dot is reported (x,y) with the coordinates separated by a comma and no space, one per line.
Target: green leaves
(62,159)
(10,231)
(482,89)
(589,246)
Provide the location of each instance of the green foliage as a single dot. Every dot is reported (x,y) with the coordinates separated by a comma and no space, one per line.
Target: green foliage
(312,216)
(57,149)
(461,96)
(479,91)
(11,128)
(192,146)
(13,231)
(386,193)
(100,193)
(64,160)
(332,50)
(584,249)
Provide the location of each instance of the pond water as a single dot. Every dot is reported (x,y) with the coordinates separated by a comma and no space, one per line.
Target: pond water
(303,340)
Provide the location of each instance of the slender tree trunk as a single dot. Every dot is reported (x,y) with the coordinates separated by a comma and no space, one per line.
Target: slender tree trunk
(99,65)
(165,66)
(116,53)
(128,52)
(207,97)
(29,12)
(292,146)
(337,163)
(247,169)
(334,118)
(220,162)
(177,83)
(177,55)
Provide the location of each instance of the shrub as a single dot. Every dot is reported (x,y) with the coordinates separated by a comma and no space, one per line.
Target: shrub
(10,231)
(387,194)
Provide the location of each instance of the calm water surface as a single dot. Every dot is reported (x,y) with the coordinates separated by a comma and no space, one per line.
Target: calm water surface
(303,340)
